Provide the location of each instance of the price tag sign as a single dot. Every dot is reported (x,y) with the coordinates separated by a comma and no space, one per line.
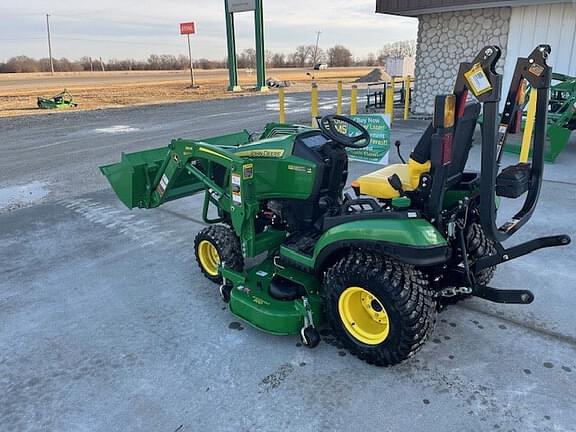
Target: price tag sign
(478,81)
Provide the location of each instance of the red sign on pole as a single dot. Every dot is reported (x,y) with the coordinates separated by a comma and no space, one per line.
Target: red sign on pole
(187,28)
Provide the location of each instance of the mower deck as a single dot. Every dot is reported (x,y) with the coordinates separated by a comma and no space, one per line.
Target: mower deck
(251,299)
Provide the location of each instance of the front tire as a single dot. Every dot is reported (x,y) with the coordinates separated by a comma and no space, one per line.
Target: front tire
(382,311)
(215,245)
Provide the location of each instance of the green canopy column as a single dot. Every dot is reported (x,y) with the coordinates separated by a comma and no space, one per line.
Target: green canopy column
(232,61)
(236,6)
(260,51)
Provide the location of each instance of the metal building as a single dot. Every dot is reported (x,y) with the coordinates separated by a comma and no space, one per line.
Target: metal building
(451,31)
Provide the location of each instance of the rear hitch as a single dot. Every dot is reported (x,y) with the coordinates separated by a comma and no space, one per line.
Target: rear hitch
(504,296)
(521,250)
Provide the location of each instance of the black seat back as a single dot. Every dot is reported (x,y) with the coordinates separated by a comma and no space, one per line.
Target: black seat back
(462,143)
(461,146)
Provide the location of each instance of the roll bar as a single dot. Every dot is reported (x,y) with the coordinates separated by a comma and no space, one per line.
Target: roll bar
(538,73)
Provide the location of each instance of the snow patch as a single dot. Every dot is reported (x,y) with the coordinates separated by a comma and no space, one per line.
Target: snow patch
(16,197)
(118,129)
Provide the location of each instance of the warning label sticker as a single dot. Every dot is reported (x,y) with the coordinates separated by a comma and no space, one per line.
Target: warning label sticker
(478,81)
(236,181)
(536,69)
(161,189)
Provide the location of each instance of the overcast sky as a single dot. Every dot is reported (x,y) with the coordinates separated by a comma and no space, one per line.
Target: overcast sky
(137,28)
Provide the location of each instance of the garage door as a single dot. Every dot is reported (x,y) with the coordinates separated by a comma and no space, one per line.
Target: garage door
(553,24)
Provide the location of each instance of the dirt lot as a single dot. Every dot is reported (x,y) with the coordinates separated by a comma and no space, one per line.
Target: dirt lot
(97,90)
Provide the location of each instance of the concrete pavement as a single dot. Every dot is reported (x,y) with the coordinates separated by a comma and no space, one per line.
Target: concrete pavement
(106,323)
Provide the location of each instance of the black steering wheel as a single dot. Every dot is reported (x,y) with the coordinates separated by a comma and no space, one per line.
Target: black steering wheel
(328,126)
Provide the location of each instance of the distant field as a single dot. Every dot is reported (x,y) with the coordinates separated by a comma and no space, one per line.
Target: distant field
(94,90)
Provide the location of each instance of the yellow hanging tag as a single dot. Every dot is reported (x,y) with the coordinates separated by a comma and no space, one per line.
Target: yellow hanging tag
(478,81)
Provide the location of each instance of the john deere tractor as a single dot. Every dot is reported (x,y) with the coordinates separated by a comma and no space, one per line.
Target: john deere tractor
(376,266)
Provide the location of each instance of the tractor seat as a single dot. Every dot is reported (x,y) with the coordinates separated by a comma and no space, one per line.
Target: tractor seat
(376,184)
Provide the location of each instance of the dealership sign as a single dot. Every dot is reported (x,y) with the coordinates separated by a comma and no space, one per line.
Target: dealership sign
(241,5)
(378,126)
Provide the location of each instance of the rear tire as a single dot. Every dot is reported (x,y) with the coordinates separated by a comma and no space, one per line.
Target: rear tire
(382,311)
(215,245)
(479,246)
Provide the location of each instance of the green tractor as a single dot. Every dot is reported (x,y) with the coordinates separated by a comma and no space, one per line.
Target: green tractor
(62,100)
(378,266)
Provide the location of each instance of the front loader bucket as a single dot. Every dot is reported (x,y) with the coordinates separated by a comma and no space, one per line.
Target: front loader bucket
(138,174)
(132,179)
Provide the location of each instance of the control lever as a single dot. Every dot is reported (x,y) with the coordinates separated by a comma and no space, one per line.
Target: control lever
(398,144)
(396,184)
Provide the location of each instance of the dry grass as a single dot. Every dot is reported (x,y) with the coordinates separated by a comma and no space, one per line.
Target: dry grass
(18,92)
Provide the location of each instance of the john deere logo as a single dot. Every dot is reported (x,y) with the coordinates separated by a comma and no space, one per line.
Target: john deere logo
(262,153)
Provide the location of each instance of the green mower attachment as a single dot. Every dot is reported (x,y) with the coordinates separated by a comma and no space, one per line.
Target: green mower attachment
(62,100)
(376,267)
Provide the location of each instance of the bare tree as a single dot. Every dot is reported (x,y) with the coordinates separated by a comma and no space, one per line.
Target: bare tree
(268,57)
(21,64)
(400,49)
(339,56)
(278,60)
(371,60)
(320,57)
(303,55)
(247,59)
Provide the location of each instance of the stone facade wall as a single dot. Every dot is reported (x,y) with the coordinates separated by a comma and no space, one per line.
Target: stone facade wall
(447,39)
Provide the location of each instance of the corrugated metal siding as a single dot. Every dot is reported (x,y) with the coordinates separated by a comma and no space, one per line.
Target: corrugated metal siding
(392,6)
(416,7)
(550,24)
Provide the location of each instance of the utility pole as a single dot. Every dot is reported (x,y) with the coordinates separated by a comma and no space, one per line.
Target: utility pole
(49,45)
(318,33)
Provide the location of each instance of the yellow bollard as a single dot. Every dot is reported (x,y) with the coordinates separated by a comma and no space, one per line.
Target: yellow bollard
(354,100)
(282,103)
(314,104)
(389,104)
(407,98)
(529,128)
(339,104)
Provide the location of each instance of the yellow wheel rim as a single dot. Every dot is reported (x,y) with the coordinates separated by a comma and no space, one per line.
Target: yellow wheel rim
(364,316)
(209,257)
